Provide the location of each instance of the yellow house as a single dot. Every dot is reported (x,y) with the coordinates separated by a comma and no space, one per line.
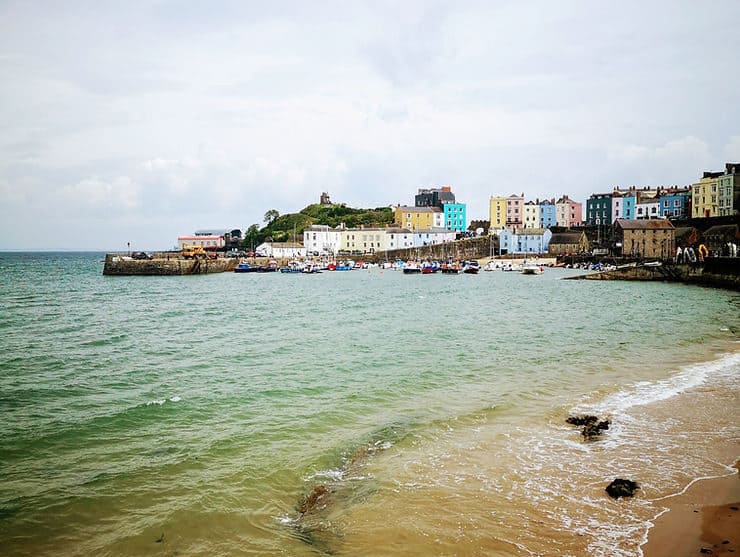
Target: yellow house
(415,218)
(704,195)
(497,213)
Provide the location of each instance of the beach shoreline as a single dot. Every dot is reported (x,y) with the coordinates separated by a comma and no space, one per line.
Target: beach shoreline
(704,519)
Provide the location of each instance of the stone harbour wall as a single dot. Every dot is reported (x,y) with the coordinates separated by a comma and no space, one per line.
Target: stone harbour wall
(118,265)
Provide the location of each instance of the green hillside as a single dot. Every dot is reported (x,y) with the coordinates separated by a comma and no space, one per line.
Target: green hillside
(289,227)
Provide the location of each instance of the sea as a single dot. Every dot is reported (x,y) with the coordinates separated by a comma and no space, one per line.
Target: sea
(356,413)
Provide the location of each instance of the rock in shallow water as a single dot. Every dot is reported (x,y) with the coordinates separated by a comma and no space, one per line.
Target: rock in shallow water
(622,488)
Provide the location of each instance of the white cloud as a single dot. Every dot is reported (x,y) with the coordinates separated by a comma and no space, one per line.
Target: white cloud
(188,116)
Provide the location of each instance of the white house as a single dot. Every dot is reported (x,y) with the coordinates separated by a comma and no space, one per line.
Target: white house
(281,250)
(321,239)
(432,237)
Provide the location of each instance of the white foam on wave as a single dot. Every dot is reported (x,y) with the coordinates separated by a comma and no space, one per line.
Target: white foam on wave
(332,474)
(649,392)
(161,401)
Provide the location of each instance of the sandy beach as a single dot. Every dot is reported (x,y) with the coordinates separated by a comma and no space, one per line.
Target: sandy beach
(704,520)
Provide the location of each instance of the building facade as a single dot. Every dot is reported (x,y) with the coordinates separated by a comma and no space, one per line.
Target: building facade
(514,211)
(568,243)
(568,213)
(674,203)
(434,197)
(705,196)
(623,204)
(653,239)
(530,241)
(415,218)
(547,214)
(321,239)
(729,190)
(206,241)
(455,217)
(497,214)
(599,209)
(531,215)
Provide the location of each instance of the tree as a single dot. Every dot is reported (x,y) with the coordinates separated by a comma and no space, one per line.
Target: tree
(251,238)
(270,216)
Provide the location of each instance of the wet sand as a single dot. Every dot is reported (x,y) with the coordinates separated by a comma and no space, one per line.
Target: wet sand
(705,520)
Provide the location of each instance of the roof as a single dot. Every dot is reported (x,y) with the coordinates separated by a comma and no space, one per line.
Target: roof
(293,245)
(566,238)
(684,231)
(409,209)
(213,232)
(652,224)
(726,230)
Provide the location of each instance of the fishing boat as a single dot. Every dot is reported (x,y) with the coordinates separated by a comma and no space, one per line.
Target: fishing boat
(411,268)
(311,268)
(293,267)
(245,267)
(451,268)
(471,267)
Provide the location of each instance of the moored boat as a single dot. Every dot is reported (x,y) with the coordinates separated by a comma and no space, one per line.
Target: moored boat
(245,267)
(532,269)
(471,267)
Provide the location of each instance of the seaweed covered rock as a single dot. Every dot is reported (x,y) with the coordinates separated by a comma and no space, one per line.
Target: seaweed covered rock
(311,501)
(594,429)
(581,420)
(622,488)
(592,426)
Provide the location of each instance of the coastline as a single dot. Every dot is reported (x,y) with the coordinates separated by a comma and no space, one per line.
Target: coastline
(704,519)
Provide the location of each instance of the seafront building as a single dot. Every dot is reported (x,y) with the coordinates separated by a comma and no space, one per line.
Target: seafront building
(321,239)
(531,215)
(568,213)
(623,203)
(568,243)
(729,190)
(548,217)
(674,202)
(514,211)
(497,214)
(705,195)
(524,241)
(417,218)
(644,238)
(599,209)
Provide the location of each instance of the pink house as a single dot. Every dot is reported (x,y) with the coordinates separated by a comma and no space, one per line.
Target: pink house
(568,213)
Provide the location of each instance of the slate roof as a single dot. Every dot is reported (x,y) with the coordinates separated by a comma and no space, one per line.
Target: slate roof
(652,224)
(566,238)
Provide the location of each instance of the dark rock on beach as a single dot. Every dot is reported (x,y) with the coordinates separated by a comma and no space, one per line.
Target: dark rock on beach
(622,488)
(581,420)
(593,430)
(592,426)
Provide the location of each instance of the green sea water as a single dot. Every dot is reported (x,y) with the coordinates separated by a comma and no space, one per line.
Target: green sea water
(192,415)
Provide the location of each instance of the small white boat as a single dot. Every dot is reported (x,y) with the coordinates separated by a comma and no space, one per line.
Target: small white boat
(532,269)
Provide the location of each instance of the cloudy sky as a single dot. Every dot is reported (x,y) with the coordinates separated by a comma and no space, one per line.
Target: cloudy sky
(141,121)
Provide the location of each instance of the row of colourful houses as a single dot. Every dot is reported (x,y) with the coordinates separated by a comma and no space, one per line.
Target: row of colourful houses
(716,194)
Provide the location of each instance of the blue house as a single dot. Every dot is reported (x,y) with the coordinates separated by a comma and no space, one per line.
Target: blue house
(547,214)
(673,203)
(455,217)
(525,241)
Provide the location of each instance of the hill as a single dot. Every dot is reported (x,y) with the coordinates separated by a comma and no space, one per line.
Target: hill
(290,227)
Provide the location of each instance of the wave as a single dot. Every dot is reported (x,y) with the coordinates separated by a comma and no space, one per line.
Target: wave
(650,392)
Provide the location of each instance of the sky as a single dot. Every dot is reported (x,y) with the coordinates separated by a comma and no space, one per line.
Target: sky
(138,122)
